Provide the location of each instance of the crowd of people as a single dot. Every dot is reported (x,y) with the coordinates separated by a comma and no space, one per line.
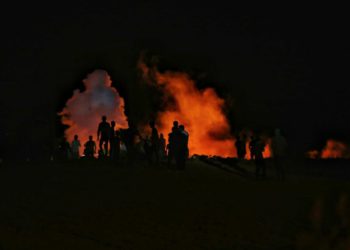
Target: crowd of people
(154,149)
(111,143)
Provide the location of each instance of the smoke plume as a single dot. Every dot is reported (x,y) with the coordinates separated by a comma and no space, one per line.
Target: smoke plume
(83,111)
(200,111)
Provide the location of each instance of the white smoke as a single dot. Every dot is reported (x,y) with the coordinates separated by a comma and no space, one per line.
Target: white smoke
(83,111)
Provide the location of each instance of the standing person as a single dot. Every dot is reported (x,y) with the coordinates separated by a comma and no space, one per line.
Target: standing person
(112,141)
(162,146)
(279,153)
(172,145)
(252,146)
(90,148)
(103,133)
(154,142)
(260,167)
(75,147)
(182,148)
(240,147)
(186,138)
(175,125)
(173,142)
(128,136)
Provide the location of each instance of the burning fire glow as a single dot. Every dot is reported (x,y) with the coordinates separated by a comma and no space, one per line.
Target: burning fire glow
(267,151)
(333,149)
(200,111)
(83,111)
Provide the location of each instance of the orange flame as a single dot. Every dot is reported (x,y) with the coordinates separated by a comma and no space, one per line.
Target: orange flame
(267,151)
(313,154)
(83,111)
(333,149)
(200,111)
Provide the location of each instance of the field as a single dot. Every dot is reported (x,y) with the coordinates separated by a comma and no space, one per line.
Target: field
(98,205)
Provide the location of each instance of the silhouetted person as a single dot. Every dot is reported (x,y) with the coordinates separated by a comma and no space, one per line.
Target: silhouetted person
(252,146)
(260,166)
(173,142)
(128,137)
(240,147)
(103,133)
(90,148)
(175,125)
(172,145)
(162,146)
(181,152)
(75,147)
(154,142)
(186,138)
(112,141)
(279,153)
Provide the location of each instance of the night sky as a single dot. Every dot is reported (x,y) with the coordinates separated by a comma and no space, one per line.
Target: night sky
(286,70)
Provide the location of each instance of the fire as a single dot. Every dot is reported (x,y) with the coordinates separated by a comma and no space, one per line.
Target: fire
(83,111)
(333,149)
(267,151)
(200,111)
(313,154)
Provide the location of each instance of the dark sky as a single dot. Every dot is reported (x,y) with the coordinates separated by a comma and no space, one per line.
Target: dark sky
(286,70)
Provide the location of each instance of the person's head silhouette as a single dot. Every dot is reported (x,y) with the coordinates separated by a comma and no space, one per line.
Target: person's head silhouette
(112,124)
(90,138)
(182,127)
(104,118)
(75,137)
(176,124)
(152,124)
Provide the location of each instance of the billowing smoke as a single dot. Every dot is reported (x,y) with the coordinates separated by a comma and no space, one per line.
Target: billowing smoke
(332,150)
(83,111)
(200,111)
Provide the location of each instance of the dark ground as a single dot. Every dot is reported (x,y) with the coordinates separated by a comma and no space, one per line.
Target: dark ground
(99,206)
